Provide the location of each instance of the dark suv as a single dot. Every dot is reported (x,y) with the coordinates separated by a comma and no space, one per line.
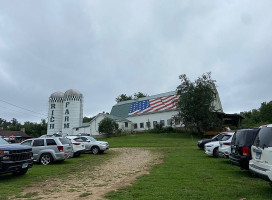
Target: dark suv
(241,147)
(15,158)
(201,143)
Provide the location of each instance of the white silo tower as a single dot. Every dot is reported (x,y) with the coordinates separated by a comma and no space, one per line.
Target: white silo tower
(55,113)
(72,114)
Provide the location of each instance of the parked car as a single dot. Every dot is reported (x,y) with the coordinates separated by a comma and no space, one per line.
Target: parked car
(225,145)
(204,141)
(240,147)
(48,150)
(261,150)
(95,146)
(212,148)
(15,158)
(78,145)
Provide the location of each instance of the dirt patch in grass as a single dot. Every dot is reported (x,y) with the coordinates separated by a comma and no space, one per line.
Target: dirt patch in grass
(119,171)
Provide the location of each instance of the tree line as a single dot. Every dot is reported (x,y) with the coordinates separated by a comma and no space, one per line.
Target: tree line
(31,128)
(258,117)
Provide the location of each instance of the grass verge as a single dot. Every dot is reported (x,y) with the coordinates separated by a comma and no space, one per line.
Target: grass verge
(187,173)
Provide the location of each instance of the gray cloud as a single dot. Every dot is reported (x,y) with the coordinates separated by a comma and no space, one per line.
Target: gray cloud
(105,48)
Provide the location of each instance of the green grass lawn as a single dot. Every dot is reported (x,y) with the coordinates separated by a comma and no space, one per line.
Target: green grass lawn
(13,185)
(186,173)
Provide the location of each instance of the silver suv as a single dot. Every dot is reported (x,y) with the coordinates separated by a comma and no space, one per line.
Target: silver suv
(93,145)
(48,150)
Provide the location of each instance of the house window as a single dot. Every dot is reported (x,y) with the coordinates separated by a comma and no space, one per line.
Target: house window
(135,126)
(126,124)
(141,125)
(162,123)
(148,125)
(169,122)
(177,122)
(155,123)
(77,129)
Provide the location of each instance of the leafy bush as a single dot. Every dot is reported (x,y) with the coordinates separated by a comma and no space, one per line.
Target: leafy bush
(108,126)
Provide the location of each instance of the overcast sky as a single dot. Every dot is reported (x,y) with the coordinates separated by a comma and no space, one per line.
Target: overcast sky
(106,48)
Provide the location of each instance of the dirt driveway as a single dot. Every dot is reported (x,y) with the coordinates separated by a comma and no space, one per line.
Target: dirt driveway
(119,171)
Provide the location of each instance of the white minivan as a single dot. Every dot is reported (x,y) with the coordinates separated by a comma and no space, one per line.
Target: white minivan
(261,151)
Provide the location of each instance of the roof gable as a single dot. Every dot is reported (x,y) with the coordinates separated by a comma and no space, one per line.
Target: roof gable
(13,133)
(125,108)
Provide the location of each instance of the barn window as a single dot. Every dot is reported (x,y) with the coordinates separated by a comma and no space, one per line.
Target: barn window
(169,122)
(135,126)
(162,123)
(148,124)
(126,124)
(177,122)
(141,125)
(155,123)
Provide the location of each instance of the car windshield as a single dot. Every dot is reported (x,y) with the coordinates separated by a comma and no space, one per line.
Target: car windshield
(264,138)
(218,136)
(2,141)
(91,139)
(65,140)
(78,140)
(226,137)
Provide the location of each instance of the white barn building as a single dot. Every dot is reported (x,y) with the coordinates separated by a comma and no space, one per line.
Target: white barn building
(132,115)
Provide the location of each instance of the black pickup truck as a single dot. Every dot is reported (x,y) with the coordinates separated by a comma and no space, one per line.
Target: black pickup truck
(15,158)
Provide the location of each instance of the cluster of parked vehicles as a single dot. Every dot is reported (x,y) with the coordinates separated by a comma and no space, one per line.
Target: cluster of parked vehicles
(250,149)
(18,158)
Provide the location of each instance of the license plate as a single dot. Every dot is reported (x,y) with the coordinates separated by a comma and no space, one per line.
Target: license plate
(25,165)
(258,155)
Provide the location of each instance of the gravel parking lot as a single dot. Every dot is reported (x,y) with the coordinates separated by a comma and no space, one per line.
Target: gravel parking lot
(119,171)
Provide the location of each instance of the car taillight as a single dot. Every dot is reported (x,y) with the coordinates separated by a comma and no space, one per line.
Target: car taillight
(76,143)
(245,151)
(60,148)
(226,143)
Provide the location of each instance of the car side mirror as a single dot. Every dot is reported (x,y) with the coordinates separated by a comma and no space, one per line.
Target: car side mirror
(88,141)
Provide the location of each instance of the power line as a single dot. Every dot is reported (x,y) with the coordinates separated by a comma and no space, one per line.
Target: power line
(10,111)
(22,108)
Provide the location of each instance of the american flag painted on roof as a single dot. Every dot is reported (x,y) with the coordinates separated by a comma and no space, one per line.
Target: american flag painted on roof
(153,105)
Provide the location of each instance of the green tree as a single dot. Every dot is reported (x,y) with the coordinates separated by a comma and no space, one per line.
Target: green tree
(196,103)
(108,126)
(14,125)
(123,97)
(87,119)
(139,95)
(266,112)
(35,129)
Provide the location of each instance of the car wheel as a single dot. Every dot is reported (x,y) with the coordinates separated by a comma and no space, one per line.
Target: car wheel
(95,150)
(216,153)
(21,172)
(46,159)
(76,154)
